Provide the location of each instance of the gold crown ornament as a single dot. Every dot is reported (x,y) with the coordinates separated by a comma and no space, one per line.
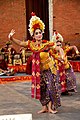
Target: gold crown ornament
(35,23)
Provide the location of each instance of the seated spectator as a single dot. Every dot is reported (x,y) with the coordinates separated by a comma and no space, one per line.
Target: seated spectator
(4,70)
(8,52)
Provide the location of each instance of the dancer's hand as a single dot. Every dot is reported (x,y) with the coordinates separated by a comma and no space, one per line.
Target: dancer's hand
(77,52)
(11,34)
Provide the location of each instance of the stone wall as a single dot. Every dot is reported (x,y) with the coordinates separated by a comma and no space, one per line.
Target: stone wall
(67,20)
(12,15)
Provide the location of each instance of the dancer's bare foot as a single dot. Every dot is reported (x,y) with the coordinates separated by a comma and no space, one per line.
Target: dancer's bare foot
(53,111)
(76,91)
(42,111)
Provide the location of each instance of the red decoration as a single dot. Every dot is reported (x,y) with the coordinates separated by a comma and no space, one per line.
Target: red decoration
(44,41)
(56,32)
(57,37)
(35,26)
(32,14)
(15,79)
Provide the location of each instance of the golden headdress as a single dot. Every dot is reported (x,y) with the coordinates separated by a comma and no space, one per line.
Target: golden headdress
(35,22)
(57,37)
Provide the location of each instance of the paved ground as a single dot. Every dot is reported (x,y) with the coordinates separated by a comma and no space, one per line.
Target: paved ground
(15,99)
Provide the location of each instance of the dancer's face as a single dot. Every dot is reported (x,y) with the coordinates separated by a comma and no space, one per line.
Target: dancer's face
(59,44)
(38,35)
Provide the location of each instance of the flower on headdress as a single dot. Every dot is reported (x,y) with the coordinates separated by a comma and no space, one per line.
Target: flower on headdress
(35,22)
(57,37)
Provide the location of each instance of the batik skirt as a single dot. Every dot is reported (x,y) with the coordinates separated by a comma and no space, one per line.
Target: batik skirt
(70,80)
(49,89)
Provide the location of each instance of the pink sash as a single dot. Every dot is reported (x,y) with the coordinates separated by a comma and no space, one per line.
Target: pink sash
(36,76)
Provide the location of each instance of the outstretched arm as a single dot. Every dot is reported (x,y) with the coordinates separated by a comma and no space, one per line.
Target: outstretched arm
(18,42)
(75,48)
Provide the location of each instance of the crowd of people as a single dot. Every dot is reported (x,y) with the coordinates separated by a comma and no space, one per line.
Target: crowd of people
(52,74)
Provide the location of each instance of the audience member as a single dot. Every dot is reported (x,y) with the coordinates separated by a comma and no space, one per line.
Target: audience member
(4,70)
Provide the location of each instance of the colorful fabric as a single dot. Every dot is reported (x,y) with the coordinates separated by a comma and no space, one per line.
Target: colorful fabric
(6,79)
(49,89)
(61,70)
(62,77)
(36,66)
(66,76)
(36,76)
(70,75)
(70,80)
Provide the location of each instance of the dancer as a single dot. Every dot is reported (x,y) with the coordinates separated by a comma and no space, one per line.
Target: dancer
(66,74)
(44,73)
